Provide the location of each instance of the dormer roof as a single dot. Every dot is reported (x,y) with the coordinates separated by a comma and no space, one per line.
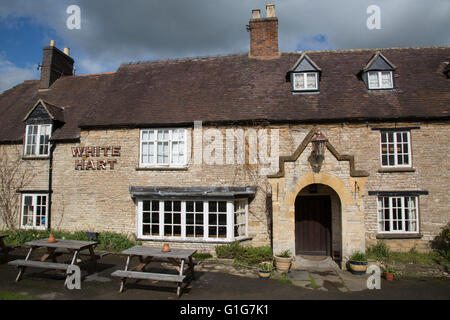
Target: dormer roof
(305,64)
(55,113)
(379,62)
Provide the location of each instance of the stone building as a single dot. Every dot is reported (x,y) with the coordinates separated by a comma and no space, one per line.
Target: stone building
(318,152)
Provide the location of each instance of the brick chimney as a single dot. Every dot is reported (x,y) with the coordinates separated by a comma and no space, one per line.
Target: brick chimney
(264,34)
(55,64)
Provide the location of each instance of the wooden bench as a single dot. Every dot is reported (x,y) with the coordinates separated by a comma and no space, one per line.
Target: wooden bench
(149,276)
(37,264)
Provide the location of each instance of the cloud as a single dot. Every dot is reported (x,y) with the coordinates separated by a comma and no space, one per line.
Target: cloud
(317,42)
(11,75)
(116,31)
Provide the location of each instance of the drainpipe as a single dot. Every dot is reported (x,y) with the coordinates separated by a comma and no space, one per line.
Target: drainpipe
(50,177)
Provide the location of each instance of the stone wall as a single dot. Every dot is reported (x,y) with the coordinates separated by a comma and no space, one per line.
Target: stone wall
(100,200)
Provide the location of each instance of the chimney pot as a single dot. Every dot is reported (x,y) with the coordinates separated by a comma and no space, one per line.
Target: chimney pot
(52,43)
(256,14)
(270,10)
(264,34)
(67,51)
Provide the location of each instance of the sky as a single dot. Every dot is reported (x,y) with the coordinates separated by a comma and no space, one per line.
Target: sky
(112,32)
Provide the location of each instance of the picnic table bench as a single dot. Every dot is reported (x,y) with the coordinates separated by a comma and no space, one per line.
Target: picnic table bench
(146,254)
(6,248)
(53,251)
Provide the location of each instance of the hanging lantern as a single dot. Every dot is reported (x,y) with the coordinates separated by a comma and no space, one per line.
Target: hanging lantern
(319,142)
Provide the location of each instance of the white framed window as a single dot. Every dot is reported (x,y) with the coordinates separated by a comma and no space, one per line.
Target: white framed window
(162,147)
(395,149)
(380,80)
(196,220)
(398,214)
(34,211)
(305,81)
(37,137)
(240,218)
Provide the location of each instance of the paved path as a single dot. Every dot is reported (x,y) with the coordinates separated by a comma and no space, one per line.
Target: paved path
(218,280)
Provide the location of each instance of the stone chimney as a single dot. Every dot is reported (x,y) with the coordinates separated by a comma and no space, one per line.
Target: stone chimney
(55,64)
(264,34)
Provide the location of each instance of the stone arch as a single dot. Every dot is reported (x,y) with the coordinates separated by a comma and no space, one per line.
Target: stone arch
(318,222)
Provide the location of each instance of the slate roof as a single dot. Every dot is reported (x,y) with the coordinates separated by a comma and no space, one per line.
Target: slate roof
(235,89)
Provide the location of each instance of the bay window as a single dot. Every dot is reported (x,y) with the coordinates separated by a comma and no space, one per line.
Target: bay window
(211,220)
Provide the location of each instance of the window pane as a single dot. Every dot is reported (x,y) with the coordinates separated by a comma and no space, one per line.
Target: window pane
(386,81)
(373,80)
(311,81)
(299,82)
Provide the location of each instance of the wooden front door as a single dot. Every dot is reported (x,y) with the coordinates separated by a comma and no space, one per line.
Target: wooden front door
(313,225)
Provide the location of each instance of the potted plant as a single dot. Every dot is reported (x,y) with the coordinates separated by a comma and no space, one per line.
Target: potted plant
(265,270)
(389,273)
(358,263)
(283,261)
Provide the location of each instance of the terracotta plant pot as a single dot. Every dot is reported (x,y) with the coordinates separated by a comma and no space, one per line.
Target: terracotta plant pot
(51,239)
(283,264)
(357,267)
(389,276)
(166,248)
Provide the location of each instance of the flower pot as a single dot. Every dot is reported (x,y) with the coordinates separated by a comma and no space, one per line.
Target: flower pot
(264,274)
(166,248)
(389,276)
(51,238)
(357,267)
(283,264)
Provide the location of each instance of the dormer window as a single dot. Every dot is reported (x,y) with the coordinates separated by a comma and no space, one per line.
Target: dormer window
(40,121)
(380,80)
(305,81)
(378,74)
(305,75)
(37,139)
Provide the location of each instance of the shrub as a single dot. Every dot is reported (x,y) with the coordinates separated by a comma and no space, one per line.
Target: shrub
(202,256)
(285,254)
(106,241)
(244,255)
(442,242)
(379,251)
(358,256)
(265,266)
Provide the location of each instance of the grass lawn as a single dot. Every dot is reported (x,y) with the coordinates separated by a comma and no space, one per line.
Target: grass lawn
(5,295)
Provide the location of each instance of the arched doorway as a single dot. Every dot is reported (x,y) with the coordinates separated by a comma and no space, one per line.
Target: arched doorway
(318,222)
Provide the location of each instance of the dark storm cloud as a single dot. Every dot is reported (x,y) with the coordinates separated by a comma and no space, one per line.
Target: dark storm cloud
(114,31)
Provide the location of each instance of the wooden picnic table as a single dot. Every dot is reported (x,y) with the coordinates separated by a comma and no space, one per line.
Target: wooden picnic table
(54,250)
(146,254)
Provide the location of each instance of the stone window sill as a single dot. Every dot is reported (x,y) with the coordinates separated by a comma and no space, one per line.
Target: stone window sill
(161,168)
(399,236)
(393,170)
(195,240)
(46,157)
